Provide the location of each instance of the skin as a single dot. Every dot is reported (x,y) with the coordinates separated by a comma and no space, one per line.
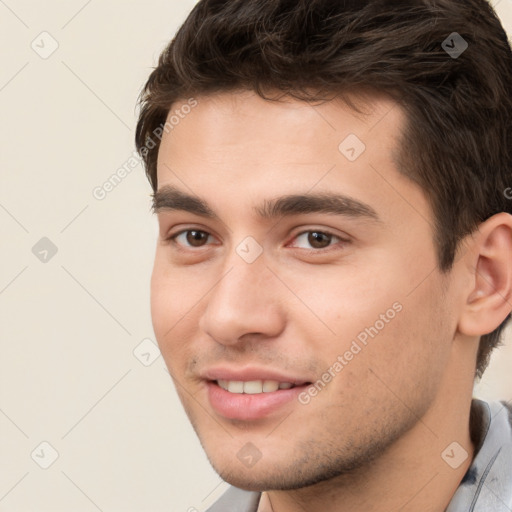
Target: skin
(372,439)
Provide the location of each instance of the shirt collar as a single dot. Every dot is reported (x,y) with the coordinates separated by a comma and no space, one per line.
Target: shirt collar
(487,485)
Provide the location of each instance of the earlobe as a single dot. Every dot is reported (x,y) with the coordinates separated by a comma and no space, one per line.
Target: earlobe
(490,299)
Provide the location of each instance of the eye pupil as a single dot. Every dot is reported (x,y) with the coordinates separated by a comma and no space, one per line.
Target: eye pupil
(194,236)
(316,239)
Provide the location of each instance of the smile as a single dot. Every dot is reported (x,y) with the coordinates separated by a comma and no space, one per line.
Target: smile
(253,387)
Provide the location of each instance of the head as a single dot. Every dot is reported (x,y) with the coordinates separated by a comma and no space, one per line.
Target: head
(346,166)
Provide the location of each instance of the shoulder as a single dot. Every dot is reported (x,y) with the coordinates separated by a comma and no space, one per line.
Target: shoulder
(508,407)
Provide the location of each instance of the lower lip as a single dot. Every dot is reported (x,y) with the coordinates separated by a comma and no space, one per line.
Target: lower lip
(247,407)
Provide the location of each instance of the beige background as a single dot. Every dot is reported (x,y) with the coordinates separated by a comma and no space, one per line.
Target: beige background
(73,372)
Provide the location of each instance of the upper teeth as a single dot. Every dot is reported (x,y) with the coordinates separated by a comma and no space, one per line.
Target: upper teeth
(253,387)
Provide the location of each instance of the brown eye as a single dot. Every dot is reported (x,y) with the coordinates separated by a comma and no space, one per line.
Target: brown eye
(191,238)
(196,238)
(314,240)
(319,240)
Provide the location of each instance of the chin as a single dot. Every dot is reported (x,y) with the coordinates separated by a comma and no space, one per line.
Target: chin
(271,476)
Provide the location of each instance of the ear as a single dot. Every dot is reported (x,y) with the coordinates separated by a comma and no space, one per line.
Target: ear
(489,262)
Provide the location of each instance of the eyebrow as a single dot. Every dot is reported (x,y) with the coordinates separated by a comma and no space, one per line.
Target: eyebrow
(169,198)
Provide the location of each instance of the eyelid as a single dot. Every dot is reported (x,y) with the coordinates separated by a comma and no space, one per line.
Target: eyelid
(183,228)
(325,231)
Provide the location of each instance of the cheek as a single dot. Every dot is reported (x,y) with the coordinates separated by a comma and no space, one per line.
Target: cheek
(173,293)
(170,307)
(415,346)
(344,301)
(162,302)
(378,317)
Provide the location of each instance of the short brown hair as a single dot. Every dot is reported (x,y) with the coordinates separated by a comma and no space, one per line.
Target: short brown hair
(457,145)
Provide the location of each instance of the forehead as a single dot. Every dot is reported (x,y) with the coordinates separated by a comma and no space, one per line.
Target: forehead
(228,118)
(241,129)
(241,148)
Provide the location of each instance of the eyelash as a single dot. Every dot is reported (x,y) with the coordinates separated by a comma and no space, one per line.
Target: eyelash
(172,239)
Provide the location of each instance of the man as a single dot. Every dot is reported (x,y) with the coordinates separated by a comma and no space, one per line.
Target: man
(334,264)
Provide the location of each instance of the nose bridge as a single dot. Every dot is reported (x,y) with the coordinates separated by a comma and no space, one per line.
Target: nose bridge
(244,285)
(246,271)
(244,299)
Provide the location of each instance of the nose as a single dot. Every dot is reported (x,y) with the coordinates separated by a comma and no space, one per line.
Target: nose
(244,303)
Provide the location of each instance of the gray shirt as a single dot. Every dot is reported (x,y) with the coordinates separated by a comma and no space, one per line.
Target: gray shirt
(486,486)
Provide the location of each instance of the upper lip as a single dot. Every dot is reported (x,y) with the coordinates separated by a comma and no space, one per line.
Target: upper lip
(250,374)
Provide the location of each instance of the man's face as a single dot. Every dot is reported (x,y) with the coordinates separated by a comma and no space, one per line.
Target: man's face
(342,299)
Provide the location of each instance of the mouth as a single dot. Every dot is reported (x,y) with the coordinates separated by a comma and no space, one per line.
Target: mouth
(250,400)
